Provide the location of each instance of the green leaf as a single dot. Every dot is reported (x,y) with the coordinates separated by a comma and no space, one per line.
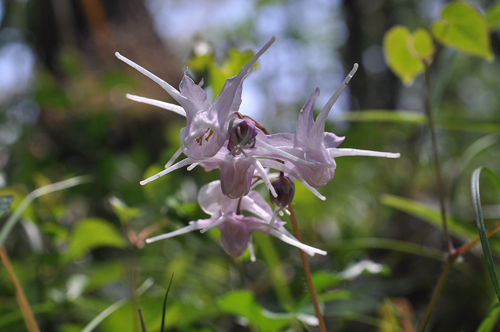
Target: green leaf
(242,303)
(492,16)
(418,118)
(465,29)
(121,209)
(336,295)
(103,274)
(427,213)
(389,244)
(478,212)
(405,117)
(323,279)
(423,44)
(399,58)
(5,202)
(231,67)
(92,233)
(489,322)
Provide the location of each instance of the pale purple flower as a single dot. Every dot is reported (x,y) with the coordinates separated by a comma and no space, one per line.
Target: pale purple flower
(206,125)
(312,146)
(206,132)
(236,229)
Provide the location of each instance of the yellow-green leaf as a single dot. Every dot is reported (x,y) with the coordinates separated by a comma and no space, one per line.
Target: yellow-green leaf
(401,61)
(423,44)
(492,16)
(465,29)
(92,233)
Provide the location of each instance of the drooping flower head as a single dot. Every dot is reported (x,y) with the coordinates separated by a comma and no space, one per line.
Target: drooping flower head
(235,228)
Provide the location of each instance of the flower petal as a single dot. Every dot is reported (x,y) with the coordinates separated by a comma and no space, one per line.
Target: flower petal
(171,107)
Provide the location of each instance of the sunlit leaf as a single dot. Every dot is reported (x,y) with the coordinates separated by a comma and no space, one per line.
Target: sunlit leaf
(218,75)
(492,15)
(422,43)
(465,29)
(489,322)
(405,117)
(399,58)
(478,212)
(92,233)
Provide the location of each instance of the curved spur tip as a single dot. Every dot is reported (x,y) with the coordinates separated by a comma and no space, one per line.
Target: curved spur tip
(354,69)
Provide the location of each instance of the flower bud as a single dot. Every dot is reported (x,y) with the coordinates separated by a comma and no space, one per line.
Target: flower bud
(285,188)
(242,135)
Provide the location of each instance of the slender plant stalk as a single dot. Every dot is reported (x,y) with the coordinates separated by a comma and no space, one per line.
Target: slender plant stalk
(437,291)
(307,271)
(22,301)
(465,247)
(449,264)
(428,106)
(135,278)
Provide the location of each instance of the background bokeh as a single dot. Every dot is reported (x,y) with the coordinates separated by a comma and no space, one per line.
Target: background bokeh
(63,113)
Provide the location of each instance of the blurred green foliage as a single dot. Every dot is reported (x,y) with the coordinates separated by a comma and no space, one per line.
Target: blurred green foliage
(79,251)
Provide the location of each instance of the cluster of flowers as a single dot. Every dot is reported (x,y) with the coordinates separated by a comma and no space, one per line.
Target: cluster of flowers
(217,136)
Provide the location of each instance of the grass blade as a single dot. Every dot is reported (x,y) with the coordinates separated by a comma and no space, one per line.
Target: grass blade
(115,306)
(418,118)
(14,218)
(143,325)
(478,212)
(428,213)
(389,244)
(488,323)
(165,304)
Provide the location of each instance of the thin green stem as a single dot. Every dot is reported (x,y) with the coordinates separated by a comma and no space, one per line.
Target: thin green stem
(14,217)
(437,291)
(428,106)
(307,271)
(135,279)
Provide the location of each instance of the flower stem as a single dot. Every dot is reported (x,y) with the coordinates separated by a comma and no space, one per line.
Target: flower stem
(428,107)
(135,279)
(24,305)
(437,291)
(307,271)
(449,264)
(465,247)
